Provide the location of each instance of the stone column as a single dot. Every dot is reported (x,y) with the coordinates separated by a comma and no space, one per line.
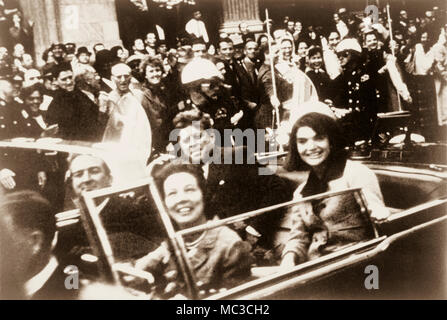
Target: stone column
(84,22)
(237,11)
(44,16)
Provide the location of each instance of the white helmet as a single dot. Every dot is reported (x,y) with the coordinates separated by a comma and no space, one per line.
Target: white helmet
(200,69)
(348,44)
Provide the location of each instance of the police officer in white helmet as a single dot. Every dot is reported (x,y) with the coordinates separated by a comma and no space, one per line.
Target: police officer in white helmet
(203,84)
(355,92)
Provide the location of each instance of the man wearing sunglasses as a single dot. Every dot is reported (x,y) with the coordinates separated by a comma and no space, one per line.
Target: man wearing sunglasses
(204,86)
(356,92)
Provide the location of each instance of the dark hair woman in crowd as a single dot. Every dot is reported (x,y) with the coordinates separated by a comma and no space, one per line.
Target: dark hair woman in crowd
(116,53)
(157,101)
(317,144)
(219,258)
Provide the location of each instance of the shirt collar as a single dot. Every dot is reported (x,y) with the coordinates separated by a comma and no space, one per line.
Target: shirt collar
(319,70)
(40,121)
(37,282)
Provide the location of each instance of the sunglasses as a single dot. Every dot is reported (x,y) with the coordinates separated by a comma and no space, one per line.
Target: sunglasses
(343,54)
(210,84)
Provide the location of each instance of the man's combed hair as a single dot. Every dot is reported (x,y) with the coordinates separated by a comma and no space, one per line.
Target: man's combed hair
(314,50)
(74,156)
(64,66)
(226,40)
(29,210)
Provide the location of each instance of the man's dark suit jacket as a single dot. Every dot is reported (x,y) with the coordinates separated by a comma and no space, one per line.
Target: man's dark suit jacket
(76,115)
(248,84)
(132,226)
(238,188)
(54,288)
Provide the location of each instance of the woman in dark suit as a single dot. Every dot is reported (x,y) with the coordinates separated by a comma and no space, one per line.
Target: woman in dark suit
(321,227)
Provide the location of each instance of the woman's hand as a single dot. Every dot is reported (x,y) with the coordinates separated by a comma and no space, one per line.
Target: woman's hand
(42,179)
(380,215)
(144,263)
(6,179)
(238,116)
(275,102)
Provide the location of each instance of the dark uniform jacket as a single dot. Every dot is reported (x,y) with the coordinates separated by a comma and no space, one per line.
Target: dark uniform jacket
(231,77)
(11,120)
(13,124)
(355,91)
(220,110)
(374,61)
(322,83)
(233,189)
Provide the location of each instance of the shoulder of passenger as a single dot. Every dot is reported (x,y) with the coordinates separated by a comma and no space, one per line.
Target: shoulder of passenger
(357,167)
(358,171)
(227,237)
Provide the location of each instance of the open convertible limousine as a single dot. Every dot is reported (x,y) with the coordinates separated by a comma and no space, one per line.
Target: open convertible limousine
(408,249)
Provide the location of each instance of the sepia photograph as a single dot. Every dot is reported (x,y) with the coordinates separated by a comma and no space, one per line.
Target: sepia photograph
(223,150)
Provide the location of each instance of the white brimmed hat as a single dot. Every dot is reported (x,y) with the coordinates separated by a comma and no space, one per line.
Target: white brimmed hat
(309,107)
(349,44)
(200,69)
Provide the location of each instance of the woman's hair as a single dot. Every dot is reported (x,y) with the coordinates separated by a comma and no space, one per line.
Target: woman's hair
(114,53)
(322,125)
(174,167)
(150,61)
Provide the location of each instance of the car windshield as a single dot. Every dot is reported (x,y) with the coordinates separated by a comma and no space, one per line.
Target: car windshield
(119,225)
(208,259)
